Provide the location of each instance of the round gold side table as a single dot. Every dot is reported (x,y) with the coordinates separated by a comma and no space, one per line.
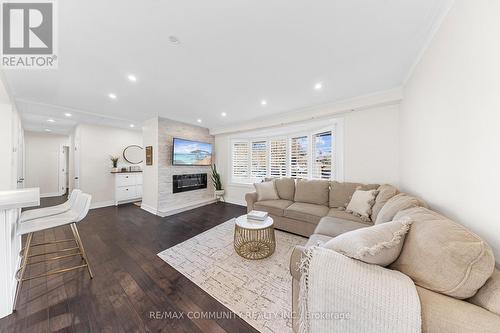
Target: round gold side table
(254,239)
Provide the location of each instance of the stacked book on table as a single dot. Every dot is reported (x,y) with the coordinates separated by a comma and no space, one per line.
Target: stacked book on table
(257,215)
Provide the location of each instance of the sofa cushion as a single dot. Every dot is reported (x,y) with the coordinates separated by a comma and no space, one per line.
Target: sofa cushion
(341,193)
(385,192)
(361,203)
(342,214)
(266,191)
(312,191)
(488,296)
(379,244)
(333,226)
(442,313)
(306,212)
(396,204)
(275,207)
(441,255)
(285,188)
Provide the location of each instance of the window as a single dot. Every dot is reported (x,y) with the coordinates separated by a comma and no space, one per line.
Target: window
(322,155)
(309,155)
(278,158)
(259,159)
(240,165)
(299,157)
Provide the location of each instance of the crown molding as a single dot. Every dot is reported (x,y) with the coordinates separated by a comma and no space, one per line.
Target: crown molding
(383,98)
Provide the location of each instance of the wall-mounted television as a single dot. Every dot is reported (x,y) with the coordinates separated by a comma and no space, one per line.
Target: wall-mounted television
(188,152)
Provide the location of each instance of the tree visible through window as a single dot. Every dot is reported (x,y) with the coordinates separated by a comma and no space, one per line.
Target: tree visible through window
(298,157)
(322,155)
(259,159)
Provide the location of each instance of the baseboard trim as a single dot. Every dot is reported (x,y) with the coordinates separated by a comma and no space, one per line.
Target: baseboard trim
(50,195)
(180,209)
(149,209)
(234,201)
(102,204)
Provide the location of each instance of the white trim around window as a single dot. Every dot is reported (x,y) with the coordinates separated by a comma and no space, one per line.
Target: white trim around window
(245,169)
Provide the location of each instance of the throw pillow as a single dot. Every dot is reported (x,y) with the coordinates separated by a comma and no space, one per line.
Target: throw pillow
(385,192)
(361,203)
(266,191)
(340,193)
(379,244)
(396,204)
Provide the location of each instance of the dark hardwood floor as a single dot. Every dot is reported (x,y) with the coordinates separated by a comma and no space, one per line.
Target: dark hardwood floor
(133,289)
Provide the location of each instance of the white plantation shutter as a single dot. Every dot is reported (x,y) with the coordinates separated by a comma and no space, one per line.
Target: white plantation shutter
(259,159)
(278,158)
(241,158)
(322,155)
(298,157)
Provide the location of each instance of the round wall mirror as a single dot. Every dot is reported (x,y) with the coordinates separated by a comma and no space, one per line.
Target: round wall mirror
(133,154)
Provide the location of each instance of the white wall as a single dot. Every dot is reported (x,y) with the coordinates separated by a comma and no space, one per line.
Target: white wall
(42,153)
(371,148)
(6,168)
(10,140)
(371,145)
(96,144)
(449,120)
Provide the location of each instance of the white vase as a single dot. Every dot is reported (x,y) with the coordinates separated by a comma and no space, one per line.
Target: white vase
(219,192)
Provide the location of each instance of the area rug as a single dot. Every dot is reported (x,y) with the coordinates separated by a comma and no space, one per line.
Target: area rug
(259,291)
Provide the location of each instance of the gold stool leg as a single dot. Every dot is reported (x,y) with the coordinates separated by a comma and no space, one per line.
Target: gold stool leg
(82,249)
(24,263)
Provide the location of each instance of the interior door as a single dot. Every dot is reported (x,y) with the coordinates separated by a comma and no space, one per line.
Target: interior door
(63,169)
(76,180)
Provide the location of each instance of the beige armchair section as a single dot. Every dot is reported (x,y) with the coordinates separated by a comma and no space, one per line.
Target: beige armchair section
(250,198)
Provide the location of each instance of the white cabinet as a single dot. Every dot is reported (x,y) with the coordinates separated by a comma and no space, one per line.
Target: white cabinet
(128,187)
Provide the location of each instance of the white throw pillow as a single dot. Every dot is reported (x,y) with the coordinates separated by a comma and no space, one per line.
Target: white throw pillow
(379,244)
(361,203)
(266,191)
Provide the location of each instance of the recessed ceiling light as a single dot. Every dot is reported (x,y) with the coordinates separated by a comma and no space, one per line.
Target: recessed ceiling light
(132,125)
(174,40)
(198,120)
(51,120)
(318,86)
(112,96)
(263,102)
(47,130)
(132,78)
(223,114)
(67,114)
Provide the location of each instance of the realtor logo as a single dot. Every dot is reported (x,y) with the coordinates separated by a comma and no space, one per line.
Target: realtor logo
(28,32)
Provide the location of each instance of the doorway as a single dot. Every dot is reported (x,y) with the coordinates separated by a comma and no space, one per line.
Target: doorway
(64,170)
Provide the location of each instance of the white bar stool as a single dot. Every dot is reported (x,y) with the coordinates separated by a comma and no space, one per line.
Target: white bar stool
(49,211)
(77,213)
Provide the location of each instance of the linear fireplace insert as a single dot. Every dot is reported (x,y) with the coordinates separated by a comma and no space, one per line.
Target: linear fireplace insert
(183,183)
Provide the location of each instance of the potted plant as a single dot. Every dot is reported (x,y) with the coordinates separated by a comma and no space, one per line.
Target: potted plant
(219,191)
(114,160)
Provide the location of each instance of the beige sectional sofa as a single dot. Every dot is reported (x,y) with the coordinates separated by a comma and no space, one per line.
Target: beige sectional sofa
(302,204)
(452,268)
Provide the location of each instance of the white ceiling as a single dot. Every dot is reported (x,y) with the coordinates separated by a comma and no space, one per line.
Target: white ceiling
(232,54)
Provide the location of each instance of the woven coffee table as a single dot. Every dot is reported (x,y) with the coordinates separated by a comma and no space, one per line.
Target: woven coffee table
(254,239)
